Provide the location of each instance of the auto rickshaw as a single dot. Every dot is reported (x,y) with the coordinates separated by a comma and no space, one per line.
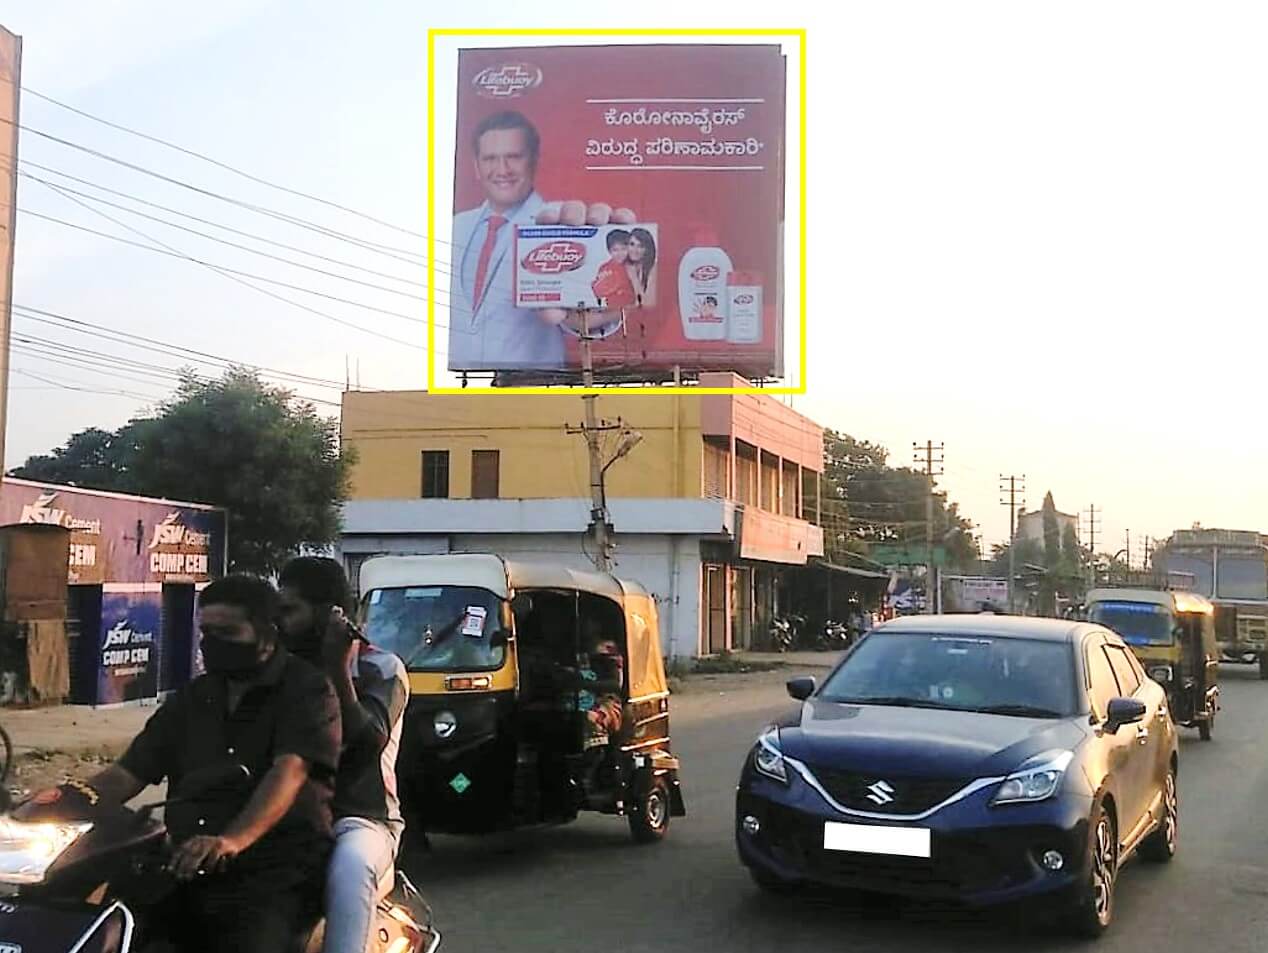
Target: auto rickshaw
(517,672)
(1173,635)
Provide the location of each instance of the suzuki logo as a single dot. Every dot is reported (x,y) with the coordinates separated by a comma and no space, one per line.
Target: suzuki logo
(881,793)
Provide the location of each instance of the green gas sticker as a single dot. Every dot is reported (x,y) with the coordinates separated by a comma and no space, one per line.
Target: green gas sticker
(460,782)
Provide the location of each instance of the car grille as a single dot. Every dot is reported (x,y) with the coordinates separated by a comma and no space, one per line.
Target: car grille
(886,794)
(960,863)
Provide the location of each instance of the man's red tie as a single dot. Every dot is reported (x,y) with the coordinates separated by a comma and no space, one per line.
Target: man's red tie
(486,252)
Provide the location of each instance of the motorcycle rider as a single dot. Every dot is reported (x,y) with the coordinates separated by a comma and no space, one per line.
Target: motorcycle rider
(373,689)
(249,863)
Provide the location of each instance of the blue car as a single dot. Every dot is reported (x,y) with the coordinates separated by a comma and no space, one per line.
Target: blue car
(983,759)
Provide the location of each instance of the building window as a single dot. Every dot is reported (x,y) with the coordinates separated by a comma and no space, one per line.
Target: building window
(484,474)
(435,474)
(717,471)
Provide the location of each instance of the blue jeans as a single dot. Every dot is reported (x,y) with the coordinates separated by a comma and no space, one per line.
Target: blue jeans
(364,854)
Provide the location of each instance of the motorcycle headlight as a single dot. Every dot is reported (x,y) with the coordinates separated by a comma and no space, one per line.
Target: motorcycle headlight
(768,759)
(1160,673)
(28,850)
(1037,779)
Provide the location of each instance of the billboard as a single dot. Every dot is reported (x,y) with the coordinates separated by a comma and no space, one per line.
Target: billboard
(117,538)
(974,593)
(646,181)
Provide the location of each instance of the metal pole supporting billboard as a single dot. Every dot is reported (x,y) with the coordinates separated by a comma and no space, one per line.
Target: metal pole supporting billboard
(590,429)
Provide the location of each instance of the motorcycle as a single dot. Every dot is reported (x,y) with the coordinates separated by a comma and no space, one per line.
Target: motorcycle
(782,637)
(76,875)
(785,632)
(836,635)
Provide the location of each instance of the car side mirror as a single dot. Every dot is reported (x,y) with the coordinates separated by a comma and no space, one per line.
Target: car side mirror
(1124,711)
(801,688)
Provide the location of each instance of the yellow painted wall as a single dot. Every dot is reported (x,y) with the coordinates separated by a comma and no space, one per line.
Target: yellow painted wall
(539,459)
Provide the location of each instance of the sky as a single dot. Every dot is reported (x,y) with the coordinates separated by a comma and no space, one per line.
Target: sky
(1035,231)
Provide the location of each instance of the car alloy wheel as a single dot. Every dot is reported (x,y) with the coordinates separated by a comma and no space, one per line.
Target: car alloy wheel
(1091,904)
(1104,869)
(1161,845)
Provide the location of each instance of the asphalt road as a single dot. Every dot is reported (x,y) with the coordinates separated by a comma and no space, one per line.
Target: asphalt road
(586,887)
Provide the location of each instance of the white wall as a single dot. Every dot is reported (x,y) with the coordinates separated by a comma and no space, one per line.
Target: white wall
(643,559)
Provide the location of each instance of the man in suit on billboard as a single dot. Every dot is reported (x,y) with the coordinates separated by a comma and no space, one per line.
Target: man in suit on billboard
(486,330)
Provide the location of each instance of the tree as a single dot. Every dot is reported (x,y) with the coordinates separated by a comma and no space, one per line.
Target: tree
(870,502)
(236,442)
(92,458)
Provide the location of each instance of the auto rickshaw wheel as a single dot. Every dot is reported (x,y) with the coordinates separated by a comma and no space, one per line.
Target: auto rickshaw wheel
(649,817)
(1206,727)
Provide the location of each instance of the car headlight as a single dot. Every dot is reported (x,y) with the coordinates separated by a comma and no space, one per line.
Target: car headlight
(27,851)
(768,759)
(1036,780)
(1160,673)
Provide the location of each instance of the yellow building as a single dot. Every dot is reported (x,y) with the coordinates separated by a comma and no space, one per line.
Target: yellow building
(718,493)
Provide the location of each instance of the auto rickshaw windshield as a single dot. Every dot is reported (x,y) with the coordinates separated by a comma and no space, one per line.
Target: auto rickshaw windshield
(438,628)
(1137,623)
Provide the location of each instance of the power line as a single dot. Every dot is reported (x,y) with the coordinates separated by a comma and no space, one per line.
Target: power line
(165,208)
(67,192)
(152,344)
(258,209)
(221,268)
(140,200)
(61,385)
(223,165)
(264,291)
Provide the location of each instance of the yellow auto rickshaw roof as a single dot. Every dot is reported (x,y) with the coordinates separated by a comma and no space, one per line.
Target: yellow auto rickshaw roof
(488,571)
(1175,599)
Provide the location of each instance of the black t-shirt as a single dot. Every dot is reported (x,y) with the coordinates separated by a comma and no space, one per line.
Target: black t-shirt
(291,709)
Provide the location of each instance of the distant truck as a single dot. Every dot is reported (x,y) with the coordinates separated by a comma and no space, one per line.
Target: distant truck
(1229,567)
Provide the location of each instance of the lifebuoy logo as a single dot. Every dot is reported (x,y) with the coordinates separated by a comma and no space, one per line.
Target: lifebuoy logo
(507,81)
(743,299)
(555,257)
(706,273)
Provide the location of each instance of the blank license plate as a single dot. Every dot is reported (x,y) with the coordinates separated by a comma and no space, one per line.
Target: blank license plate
(870,839)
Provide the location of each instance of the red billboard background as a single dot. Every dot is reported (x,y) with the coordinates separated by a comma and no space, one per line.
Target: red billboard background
(687,137)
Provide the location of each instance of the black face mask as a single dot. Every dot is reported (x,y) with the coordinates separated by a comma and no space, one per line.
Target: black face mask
(234,659)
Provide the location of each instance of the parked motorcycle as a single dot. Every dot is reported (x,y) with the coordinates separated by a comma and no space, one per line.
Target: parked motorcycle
(76,877)
(785,632)
(836,635)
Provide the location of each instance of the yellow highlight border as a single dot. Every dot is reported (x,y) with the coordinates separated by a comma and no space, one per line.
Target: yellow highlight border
(431,211)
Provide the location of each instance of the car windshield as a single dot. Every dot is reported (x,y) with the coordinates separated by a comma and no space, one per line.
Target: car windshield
(1006,676)
(437,628)
(1137,623)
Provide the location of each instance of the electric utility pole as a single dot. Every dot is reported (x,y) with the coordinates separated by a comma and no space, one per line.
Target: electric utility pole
(925,456)
(1013,486)
(1093,526)
(591,428)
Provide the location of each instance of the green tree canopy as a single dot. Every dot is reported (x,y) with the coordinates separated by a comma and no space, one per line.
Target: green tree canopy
(869,502)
